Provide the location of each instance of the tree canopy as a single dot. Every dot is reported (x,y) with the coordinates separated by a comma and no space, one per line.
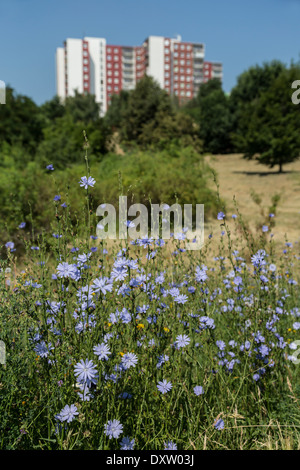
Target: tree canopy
(257,119)
(272,135)
(244,96)
(20,121)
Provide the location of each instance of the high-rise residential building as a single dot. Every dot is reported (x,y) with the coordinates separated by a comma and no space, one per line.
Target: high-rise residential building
(90,65)
(212,70)
(177,66)
(81,66)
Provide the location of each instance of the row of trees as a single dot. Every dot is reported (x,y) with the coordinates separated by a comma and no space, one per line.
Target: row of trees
(52,132)
(257,119)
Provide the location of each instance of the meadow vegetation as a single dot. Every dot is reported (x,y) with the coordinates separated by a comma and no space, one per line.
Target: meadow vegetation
(143,344)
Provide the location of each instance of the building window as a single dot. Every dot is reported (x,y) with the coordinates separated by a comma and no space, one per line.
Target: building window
(116,57)
(116,50)
(109,72)
(167,83)
(167,66)
(167,74)
(109,57)
(182,62)
(116,72)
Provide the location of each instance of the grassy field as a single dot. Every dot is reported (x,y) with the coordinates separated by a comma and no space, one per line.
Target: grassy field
(239,178)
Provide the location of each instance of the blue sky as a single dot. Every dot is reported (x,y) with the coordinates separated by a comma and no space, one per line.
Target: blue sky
(238,33)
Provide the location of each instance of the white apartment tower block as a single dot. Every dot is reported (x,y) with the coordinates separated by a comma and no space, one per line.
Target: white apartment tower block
(96,67)
(155,46)
(89,65)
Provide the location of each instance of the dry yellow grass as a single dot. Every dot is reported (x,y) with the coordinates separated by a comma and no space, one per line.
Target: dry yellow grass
(238,178)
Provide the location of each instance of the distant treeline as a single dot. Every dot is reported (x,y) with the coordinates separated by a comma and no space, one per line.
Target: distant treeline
(258,118)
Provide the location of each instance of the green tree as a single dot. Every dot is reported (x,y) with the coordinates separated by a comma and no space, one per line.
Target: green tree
(243,97)
(63,142)
(82,107)
(144,102)
(52,109)
(20,121)
(165,130)
(273,133)
(214,117)
(210,110)
(114,116)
